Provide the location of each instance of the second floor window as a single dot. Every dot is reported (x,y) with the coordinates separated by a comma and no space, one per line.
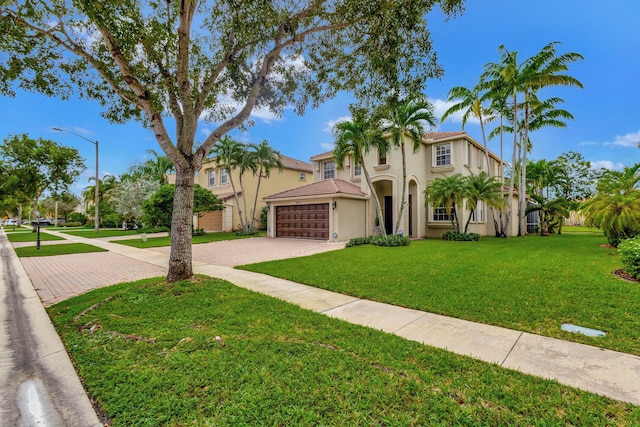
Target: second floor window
(357,169)
(329,170)
(442,155)
(382,158)
(224,176)
(211,178)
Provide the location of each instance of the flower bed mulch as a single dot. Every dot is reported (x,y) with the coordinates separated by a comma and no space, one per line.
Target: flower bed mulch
(625,276)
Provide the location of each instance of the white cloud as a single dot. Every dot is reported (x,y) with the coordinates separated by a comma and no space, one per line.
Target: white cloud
(606,164)
(628,140)
(585,143)
(328,127)
(327,146)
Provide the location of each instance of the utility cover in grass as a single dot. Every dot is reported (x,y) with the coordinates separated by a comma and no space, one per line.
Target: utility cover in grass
(582,330)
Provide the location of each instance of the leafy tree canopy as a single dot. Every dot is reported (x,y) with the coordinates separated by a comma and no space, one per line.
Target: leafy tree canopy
(32,167)
(158,207)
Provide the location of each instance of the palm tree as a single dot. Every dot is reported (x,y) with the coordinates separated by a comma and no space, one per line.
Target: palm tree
(616,207)
(156,169)
(245,162)
(408,119)
(227,152)
(355,138)
(266,159)
(448,193)
(548,210)
(525,79)
(481,188)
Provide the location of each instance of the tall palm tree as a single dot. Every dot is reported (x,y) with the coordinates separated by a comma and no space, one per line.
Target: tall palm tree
(266,159)
(449,193)
(355,138)
(227,152)
(481,188)
(408,119)
(156,169)
(245,162)
(523,81)
(548,210)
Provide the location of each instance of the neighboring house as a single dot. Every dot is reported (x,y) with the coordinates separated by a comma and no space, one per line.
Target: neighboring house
(338,206)
(216,179)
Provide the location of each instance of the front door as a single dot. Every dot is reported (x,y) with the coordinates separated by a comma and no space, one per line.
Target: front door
(388,214)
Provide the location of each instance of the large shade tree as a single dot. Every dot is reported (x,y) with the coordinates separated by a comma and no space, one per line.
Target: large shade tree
(193,60)
(34,167)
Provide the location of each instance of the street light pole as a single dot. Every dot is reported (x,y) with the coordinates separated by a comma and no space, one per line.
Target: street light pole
(97,198)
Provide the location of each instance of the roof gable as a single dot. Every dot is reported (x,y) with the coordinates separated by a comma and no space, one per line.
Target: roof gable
(325,187)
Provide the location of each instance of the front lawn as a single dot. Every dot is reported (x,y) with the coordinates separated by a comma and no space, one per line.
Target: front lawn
(50,250)
(532,284)
(154,242)
(31,237)
(208,353)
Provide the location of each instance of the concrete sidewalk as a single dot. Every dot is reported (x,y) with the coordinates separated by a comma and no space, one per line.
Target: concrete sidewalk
(605,372)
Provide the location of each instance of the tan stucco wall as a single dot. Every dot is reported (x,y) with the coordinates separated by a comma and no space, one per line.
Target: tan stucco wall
(467,156)
(349,219)
(277,182)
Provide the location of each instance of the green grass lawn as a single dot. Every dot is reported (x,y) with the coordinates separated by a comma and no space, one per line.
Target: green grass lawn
(208,353)
(31,237)
(580,229)
(532,284)
(153,242)
(90,233)
(50,250)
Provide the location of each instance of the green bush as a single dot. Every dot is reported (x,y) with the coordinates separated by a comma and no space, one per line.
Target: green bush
(264,217)
(198,232)
(154,229)
(77,217)
(109,220)
(630,251)
(249,232)
(392,240)
(461,237)
(72,224)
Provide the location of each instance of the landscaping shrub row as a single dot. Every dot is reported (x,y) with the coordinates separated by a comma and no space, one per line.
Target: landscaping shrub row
(392,240)
(630,251)
(461,237)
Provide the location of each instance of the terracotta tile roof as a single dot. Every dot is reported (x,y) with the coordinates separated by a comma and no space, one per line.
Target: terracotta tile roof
(321,188)
(432,136)
(299,165)
(287,162)
(322,155)
(227,196)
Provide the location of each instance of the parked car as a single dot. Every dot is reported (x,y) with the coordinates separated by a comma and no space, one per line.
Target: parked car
(10,222)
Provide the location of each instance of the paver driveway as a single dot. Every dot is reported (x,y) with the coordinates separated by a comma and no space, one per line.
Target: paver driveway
(248,251)
(57,278)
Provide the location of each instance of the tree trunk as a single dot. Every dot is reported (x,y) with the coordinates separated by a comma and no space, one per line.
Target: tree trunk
(235,195)
(513,163)
(180,265)
(246,224)
(383,230)
(404,189)
(255,200)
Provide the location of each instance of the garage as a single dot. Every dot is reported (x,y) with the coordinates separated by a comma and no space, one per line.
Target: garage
(310,221)
(211,221)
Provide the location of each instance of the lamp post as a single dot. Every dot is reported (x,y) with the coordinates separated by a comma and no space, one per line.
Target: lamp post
(97,214)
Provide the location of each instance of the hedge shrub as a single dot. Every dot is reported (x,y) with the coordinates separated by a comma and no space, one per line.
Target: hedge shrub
(630,251)
(461,237)
(392,240)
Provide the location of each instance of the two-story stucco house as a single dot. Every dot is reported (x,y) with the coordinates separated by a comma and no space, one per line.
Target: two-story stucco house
(295,173)
(338,206)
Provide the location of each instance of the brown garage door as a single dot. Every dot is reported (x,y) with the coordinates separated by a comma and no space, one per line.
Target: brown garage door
(211,221)
(303,221)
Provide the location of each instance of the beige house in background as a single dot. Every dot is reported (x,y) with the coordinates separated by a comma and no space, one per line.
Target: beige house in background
(295,173)
(338,205)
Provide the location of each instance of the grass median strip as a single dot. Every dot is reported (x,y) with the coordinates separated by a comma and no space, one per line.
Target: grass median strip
(205,352)
(91,234)
(51,250)
(153,242)
(31,237)
(532,284)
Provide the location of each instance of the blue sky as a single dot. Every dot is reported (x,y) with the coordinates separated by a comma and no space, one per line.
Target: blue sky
(606,129)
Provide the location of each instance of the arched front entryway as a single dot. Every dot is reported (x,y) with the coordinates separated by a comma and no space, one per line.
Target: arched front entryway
(384,191)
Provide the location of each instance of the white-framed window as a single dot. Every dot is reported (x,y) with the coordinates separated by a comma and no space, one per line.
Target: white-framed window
(469,154)
(211,177)
(382,159)
(357,169)
(442,154)
(329,170)
(224,176)
(302,176)
(440,214)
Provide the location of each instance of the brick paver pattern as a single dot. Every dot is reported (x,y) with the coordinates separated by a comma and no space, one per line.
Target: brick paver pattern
(59,277)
